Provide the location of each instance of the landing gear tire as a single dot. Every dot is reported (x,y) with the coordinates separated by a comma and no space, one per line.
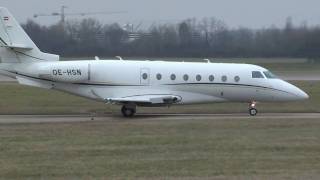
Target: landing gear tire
(128,111)
(253,111)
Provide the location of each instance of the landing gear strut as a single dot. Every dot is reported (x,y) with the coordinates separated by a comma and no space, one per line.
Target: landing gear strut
(252,109)
(128,110)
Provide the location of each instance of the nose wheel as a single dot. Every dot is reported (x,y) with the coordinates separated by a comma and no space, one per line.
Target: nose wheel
(252,109)
(128,111)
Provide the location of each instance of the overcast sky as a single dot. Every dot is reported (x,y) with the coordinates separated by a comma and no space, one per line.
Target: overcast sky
(247,13)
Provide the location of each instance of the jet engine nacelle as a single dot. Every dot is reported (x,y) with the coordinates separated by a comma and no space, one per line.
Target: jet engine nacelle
(69,73)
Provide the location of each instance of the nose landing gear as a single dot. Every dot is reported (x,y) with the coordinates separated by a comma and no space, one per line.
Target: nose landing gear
(252,109)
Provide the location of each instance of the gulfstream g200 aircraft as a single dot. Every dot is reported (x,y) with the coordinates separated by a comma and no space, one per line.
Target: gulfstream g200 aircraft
(138,83)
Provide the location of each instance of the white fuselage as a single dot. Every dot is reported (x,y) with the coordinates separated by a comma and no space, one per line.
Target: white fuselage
(137,83)
(192,82)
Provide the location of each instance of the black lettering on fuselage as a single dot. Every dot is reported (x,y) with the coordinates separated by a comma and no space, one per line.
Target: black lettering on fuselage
(57,72)
(69,72)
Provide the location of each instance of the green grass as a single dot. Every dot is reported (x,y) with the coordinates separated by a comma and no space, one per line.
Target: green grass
(17,99)
(156,149)
(303,68)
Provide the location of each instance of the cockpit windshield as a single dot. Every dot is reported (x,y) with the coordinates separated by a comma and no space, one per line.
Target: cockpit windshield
(257,75)
(269,75)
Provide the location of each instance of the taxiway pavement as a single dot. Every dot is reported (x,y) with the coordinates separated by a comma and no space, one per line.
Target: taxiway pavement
(13,119)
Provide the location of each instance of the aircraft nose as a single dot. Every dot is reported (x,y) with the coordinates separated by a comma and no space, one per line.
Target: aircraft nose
(302,95)
(299,94)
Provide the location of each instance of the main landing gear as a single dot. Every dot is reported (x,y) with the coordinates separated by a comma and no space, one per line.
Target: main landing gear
(252,109)
(128,110)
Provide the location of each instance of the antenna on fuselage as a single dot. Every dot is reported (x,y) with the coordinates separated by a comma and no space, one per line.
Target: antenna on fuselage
(119,57)
(208,60)
(97,58)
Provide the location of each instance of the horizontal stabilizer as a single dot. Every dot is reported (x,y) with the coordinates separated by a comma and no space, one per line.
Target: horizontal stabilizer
(18,47)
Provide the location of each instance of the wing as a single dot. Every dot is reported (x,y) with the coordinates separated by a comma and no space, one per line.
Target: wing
(144,99)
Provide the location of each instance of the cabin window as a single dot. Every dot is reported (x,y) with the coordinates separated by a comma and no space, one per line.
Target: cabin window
(257,74)
(145,76)
(173,77)
(224,78)
(159,77)
(185,77)
(237,79)
(269,75)
(211,78)
(198,77)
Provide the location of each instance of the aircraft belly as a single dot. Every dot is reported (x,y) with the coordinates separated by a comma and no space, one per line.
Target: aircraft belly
(219,93)
(190,94)
(98,93)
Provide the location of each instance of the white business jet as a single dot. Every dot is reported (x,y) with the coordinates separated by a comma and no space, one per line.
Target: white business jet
(138,83)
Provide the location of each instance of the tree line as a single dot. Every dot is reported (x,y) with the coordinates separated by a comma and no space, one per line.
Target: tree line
(208,37)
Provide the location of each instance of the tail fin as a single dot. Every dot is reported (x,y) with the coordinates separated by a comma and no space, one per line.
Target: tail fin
(15,45)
